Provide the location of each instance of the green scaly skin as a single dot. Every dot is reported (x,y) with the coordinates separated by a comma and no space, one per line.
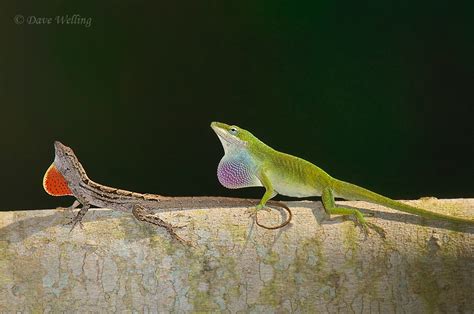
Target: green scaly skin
(249,162)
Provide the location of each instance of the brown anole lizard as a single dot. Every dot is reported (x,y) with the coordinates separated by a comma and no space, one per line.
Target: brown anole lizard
(66,176)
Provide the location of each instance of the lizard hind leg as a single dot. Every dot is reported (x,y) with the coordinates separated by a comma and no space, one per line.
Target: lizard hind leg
(143,214)
(332,209)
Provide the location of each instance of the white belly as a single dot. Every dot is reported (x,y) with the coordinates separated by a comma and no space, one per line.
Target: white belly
(285,187)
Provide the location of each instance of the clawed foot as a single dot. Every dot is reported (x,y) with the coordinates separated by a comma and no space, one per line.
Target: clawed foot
(368,226)
(252,212)
(78,218)
(143,214)
(380,231)
(74,221)
(171,230)
(180,227)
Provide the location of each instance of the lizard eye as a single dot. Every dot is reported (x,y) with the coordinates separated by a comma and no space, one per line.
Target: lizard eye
(233,130)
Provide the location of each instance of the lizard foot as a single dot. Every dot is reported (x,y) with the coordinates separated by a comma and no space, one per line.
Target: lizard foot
(172,232)
(379,230)
(142,214)
(253,212)
(74,222)
(367,227)
(78,218)
(180,226)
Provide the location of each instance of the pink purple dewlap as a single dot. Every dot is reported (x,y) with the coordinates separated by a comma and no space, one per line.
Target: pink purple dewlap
(234,174)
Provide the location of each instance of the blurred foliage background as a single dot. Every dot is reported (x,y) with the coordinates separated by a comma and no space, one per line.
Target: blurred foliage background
(378,93)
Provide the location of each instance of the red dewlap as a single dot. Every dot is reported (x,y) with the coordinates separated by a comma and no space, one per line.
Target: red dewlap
(54,182)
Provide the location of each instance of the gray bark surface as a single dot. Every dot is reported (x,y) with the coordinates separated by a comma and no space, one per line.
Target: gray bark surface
(315,264)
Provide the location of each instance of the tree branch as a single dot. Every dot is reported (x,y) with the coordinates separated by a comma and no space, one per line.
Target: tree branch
(314,264)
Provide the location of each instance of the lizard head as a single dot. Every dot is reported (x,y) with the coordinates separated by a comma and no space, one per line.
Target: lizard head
(65,172)
(232,137)
(66,161)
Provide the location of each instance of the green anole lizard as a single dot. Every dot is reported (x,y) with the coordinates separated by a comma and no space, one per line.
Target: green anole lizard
(66,176)
(249,162)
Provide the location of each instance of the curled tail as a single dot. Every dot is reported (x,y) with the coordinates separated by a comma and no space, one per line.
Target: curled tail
(353,192)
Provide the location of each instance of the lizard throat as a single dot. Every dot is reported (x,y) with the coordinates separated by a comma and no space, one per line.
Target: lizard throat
(235,174)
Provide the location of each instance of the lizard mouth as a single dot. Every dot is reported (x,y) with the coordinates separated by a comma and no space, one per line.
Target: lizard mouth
(58,145)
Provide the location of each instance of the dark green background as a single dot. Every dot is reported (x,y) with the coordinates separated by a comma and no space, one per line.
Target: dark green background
(377,93)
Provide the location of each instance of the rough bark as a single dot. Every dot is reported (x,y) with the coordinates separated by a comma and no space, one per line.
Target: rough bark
(313,265)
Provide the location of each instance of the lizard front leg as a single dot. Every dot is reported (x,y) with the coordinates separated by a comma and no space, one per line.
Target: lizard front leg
(78,218)
(269,193)
(74,205)
(143,214)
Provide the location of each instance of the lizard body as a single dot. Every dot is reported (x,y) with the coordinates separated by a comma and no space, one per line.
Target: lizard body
(66,176)
(249,162)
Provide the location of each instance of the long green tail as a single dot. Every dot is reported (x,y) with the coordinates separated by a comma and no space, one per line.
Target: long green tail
(353,192)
